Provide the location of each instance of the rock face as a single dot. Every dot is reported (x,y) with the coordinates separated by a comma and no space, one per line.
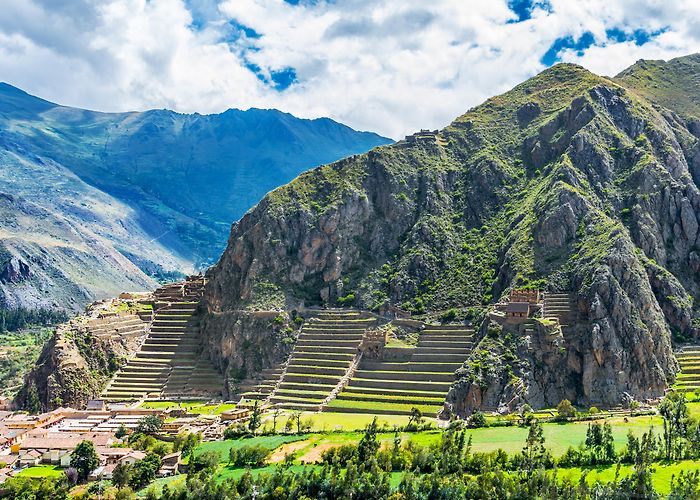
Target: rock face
(73,367)
(242,343)
(569,182)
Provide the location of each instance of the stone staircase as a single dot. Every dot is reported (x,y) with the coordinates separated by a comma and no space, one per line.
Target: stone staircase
(688,380)
(561,307)
(258,388)
(168,363)
(325,350)
(420,380)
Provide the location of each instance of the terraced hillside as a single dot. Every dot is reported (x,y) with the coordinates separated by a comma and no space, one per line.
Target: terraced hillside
(419,379)
(325,350)
(168,363)
(688,380)
(562,307)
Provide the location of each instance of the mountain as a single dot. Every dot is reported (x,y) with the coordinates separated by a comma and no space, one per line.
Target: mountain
(570,182)
(95,203)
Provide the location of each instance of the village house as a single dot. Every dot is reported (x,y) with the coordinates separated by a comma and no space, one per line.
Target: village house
(132,458)
(52,447)
(170,464)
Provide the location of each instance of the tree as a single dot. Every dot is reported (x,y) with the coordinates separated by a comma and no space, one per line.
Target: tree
(255,420)
(565,410)
(32,403)
(415,419)
(534,453)
(600,443)
(674,411)
(187,441)
(84,459)
(144,471)
(275,416)
(121,432)
(209,461)
(477,419)
(369,444)
(121,475)
(150,424)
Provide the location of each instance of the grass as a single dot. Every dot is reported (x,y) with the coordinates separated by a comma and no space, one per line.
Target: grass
(377,405)
(191,406)
(329,421)
(227,472)
(661,476)
(390,398)
(269,442)
(41,471)
(558,437)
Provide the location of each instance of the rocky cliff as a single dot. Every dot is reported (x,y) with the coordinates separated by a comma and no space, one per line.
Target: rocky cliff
(81,356)
(569,182)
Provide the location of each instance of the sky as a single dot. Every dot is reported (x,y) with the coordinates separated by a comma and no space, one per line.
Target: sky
(389,66)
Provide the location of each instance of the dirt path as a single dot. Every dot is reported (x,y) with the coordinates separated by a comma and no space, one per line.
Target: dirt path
(314,456)
(279,454)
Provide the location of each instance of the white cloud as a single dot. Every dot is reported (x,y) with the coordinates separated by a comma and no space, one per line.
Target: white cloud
(392,66)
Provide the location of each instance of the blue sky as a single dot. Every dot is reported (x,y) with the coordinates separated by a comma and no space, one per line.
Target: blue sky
(392,66)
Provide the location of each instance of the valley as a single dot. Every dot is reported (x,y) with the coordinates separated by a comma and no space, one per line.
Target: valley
(508,304)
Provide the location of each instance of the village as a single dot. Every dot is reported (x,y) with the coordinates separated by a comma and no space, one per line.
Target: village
(28,442)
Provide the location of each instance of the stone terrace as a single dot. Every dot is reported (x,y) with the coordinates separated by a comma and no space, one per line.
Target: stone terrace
(168,363)
(325,350)
(420,378)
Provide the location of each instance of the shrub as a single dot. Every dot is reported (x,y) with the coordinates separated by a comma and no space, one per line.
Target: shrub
(565,410)
(339,455)
(476,420)
(593,410)
(248,456)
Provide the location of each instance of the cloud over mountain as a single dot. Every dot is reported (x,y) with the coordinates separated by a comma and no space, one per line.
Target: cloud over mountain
(391,66)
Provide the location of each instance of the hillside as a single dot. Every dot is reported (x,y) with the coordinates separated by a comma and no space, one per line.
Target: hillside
(95,203)
(570,183)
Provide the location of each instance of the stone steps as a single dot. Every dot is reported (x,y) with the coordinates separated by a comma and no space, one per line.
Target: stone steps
(323,352)
(168,361)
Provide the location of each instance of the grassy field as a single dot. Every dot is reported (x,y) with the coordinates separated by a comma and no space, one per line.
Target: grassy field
(661,476)
(371,405)
(328,421)
(269,442)
(192,406)
(558,437)
(41,471)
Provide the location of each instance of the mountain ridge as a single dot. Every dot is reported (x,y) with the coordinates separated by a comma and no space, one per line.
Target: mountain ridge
(571,182)
(176,181)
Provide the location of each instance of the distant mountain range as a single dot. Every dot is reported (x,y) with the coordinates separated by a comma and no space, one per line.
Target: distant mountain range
(95,203)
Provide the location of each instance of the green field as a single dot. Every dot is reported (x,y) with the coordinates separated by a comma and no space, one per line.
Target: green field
(661,477)
(41,471)
(558,437)
(329,421)
(269,442)
(381,405)
(191,406)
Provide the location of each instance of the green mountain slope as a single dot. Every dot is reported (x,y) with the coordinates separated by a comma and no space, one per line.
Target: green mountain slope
(570,182)
(143,194)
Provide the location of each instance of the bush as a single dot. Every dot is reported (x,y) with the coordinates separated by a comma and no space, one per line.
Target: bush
(476,420)
(248,456)
(339,455)
(565,410)
(449,315)
(593,410)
